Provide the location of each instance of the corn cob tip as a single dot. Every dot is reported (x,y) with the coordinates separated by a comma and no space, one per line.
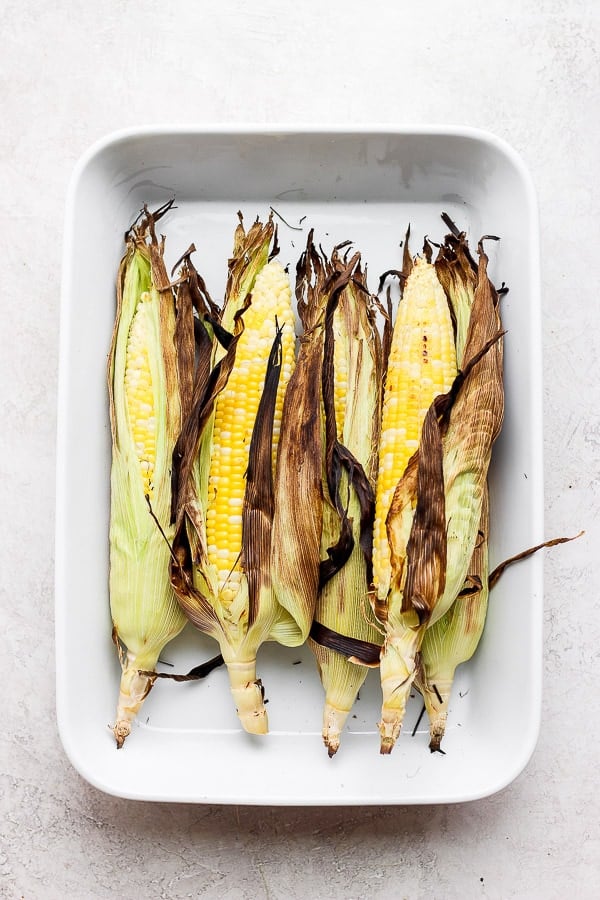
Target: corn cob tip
(248,695)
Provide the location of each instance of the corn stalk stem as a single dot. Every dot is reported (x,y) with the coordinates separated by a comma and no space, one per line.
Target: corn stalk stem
(398,670)
(436,697)
(334,720)
(247,692)
(133,690)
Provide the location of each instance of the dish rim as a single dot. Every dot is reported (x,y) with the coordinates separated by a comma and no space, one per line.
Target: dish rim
(246,129)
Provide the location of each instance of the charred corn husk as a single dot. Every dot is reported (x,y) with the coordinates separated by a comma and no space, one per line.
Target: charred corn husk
(298,510)
(421,366)
(310,458)
(473,424)
(345,638)
(457,272)
(145,422)
(225,505)
(453,639)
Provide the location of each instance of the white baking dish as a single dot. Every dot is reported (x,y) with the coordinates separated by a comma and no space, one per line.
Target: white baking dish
(366,185)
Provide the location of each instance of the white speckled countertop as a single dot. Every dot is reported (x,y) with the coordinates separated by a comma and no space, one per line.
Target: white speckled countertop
(72,72)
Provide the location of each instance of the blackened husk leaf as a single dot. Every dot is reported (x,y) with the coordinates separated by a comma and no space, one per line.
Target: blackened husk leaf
(339,553)
(185,343)
(338,457)
(190,538)
(426,548)
(525,554)
(407,260)
(194,353)
(298,513)
(257,511)
(398,525)
(361,651)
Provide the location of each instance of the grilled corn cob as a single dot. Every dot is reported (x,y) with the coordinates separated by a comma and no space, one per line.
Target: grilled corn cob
(225,505)
(145,420)
(307,456)
(454,637)
(469,418)
(344,637)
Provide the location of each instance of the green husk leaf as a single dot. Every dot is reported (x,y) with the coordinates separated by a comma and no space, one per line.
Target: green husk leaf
(454,638)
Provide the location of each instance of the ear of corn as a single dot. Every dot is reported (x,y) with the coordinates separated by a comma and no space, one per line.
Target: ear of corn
(145,420)
(421,365)
(226,505)
(474,423)
(345,637)
(453,639)
(470,417)
(306,454)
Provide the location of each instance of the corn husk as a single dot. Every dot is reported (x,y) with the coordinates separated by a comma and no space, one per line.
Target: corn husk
(345,637)
(144,610)
(298,516)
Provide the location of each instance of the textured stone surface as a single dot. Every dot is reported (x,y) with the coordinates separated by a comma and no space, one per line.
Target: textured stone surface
(71,72)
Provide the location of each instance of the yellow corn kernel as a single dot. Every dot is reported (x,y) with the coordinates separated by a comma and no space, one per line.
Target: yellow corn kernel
(421,365)
(341,368)
(139,393)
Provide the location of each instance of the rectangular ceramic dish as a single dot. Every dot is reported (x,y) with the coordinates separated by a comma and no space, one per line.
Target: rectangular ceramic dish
(363,185)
